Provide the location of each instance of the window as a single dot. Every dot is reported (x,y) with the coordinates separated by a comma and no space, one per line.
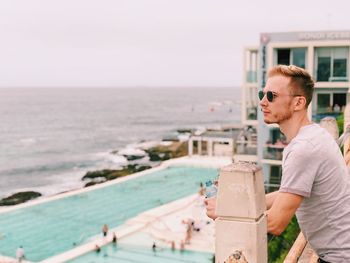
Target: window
(328,103)
(323,103)
(323,68)
(291,56)
(332,64)
(276,174)
(339,101)
(298,55)
(283,56)
(251,58)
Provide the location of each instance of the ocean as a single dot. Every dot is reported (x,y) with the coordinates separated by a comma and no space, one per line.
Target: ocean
(51,137)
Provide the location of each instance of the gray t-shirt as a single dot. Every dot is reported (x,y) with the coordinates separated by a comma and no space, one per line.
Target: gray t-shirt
(314,168)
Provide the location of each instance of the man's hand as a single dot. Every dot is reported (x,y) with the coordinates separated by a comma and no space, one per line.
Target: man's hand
(210,205)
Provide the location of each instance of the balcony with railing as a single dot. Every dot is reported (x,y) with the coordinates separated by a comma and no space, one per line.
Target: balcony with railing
(246,145)
(252,113)
(246,148)
(274,151)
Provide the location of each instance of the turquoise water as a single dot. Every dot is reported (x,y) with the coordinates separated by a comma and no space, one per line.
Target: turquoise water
(134,254)
(50,228)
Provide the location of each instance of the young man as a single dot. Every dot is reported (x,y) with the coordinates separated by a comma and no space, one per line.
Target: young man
(315,183)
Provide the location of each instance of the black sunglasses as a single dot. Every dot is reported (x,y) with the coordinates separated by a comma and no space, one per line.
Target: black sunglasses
(271,95)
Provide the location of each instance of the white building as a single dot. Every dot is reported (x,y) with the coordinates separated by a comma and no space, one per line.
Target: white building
(324,54)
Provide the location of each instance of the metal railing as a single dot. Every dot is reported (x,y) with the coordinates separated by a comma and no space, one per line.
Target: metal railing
(273,152)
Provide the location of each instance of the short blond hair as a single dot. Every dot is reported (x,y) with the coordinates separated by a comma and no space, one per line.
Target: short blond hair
(301,81)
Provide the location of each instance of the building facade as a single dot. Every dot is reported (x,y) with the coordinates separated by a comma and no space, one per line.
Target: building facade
(325,54)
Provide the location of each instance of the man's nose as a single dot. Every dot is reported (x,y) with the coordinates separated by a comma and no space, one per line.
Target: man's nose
(263,101)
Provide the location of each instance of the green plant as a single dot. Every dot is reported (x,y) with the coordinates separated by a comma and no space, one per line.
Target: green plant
(340,122)
(278,247)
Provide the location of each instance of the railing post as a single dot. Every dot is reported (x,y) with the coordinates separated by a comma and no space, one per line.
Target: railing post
(346,123)
(241,226)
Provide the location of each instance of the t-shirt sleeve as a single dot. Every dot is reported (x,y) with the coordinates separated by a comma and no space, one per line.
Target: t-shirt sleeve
(299,173)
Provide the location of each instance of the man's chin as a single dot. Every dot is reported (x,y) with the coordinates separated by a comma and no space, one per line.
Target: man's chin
(268,121)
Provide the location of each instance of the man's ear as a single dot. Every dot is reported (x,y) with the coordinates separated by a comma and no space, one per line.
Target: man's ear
(300,103)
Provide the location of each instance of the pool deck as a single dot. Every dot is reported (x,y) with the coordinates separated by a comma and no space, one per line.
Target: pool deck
(4,259)
(150,221)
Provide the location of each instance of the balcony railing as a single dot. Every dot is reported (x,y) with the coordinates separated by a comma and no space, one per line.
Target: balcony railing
(246,148)
(252,76)
(252,113)
(273,151)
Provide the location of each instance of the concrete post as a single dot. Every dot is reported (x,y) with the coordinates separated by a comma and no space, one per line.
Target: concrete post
(241,226)
(199,143)
(230,143)
(190,147)
(210,147)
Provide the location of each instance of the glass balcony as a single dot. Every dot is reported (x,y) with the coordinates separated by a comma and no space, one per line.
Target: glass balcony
(252,76)
(252,113)
(273,151)
(246,148)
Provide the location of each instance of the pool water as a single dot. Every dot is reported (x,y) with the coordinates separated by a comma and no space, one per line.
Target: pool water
(50,228)
(135,254)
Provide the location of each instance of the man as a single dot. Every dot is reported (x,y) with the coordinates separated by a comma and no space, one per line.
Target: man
(20,254)
(315,184)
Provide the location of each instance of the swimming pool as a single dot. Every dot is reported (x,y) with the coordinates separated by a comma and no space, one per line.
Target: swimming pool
(53,227)
(136,254)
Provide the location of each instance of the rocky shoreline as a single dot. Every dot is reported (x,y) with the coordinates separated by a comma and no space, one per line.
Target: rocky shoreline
(154,156)
(18,198)
(142,160)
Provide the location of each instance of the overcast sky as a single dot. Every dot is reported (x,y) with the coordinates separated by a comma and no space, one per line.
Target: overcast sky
(53,43)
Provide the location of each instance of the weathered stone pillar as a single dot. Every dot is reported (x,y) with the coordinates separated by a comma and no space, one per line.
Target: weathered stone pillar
(241,226)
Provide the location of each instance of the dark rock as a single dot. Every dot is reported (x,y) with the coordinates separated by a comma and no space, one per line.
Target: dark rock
(162,153)
(113,174)
(99,173)
(91,183)
(133,157)
(184,131)
(159,154)
(18,198)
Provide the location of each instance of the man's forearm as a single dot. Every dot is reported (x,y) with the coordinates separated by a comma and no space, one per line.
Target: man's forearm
(270,198)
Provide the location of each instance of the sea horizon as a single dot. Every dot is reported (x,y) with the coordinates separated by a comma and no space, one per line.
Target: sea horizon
(52,137)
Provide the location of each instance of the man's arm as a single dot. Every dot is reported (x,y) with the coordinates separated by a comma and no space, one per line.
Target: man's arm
(282,209)
(210,204)
(270,198)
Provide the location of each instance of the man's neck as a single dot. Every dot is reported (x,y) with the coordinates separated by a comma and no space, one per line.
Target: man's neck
(291,127)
